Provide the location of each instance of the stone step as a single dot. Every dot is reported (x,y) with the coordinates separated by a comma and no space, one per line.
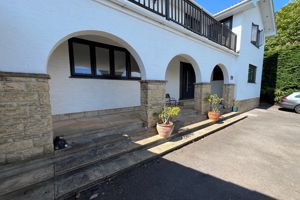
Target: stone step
(78,180)
(98,126)
(73,161)
(112,146)
(105,150)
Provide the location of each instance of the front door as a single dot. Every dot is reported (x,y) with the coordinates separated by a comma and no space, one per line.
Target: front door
(187,80)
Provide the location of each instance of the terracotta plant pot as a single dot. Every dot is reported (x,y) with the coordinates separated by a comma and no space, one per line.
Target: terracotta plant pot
(165,130)
(213,115)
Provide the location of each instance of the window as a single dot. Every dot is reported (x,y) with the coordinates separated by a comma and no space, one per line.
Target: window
(120,63)
(227,22)
(252,74)
(97,60)
(82,64)
(256,36)
(102,62)
(135,70)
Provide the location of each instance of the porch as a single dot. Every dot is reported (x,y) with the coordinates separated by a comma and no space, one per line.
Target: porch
(89,128)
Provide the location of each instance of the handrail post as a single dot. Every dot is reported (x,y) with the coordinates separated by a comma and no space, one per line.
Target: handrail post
(167,9)
(235,41)
(222,34)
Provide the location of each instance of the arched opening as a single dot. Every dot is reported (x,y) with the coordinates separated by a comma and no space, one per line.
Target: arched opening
(93,71)
(217,81)
(181,75)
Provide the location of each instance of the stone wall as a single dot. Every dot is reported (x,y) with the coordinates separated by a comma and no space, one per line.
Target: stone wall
(202,90)
(228,94)
(152,100)
(247,104)
(87,114)
(25,117)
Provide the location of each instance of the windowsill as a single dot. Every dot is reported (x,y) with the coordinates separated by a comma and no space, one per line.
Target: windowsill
(251,82)
(256,45)
(104,78)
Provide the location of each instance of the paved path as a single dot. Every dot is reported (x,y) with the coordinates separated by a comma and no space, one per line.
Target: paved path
(255,159)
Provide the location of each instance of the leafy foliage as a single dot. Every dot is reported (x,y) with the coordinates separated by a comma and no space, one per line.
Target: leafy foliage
(288,29)
(214,101)
(167,113)
(281,72)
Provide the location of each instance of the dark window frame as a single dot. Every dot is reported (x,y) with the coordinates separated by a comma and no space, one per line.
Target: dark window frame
(230,19)
(258,42)
(252,73)
(92,46)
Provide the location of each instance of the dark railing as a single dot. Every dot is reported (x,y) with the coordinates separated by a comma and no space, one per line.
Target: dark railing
(187,14)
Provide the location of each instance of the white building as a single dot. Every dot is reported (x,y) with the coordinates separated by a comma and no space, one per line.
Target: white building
(35,39)
(108,55)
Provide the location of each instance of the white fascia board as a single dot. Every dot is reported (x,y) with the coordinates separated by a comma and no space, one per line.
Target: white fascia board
(268,15)
(235,9)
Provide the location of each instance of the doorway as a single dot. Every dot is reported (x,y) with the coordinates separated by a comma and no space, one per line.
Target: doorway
(187,81)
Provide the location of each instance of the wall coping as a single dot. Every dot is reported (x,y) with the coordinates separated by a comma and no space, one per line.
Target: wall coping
(229,84)
(24,75)
(202,83)
(153,81)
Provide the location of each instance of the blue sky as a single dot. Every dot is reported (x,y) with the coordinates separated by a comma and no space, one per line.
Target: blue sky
(214,6)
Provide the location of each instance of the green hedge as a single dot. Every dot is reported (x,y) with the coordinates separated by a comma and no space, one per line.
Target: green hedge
(281,72)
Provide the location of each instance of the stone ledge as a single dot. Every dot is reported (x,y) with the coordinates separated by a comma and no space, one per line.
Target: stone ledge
(153,81)
(202,83)
(23,75)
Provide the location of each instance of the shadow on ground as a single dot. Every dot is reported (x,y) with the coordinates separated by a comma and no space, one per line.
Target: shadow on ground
(286,110)
(165,180)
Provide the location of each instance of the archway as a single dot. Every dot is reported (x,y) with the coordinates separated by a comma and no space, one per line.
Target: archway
(217,81)
(91,71)
(181,75)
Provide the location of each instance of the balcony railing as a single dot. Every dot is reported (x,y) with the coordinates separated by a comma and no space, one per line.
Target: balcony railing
(187,14)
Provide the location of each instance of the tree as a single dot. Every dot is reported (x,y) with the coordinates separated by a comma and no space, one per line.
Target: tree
(288,26)
(281,71)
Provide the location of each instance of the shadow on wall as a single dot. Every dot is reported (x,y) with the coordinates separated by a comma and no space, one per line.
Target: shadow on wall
(166,180)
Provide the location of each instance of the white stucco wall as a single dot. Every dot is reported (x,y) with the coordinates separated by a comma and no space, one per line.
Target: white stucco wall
(69,95)
(249,54)
(32,29)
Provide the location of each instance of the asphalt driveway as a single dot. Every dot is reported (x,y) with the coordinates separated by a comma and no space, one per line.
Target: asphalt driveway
(255,159)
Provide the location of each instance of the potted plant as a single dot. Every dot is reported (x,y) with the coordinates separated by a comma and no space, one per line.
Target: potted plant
(166,126)
(234,107)
(214,102)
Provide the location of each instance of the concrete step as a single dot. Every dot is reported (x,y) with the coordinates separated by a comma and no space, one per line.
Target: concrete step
(68,183)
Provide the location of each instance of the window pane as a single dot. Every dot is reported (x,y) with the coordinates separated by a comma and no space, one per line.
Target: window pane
(135,70)
(102,61)
(120,63)
(252,74)
(227,22)
(82,59)
(254,33)
(261,38)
